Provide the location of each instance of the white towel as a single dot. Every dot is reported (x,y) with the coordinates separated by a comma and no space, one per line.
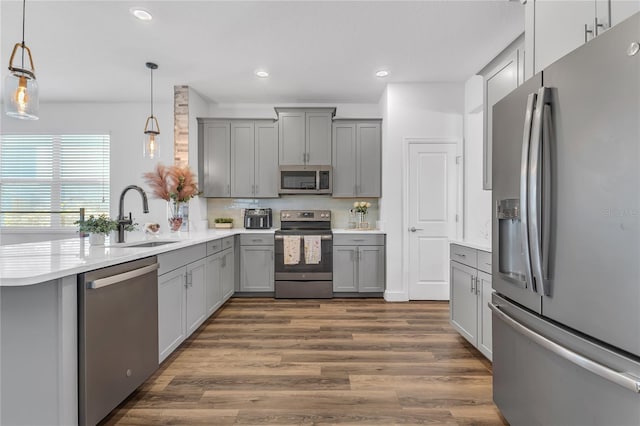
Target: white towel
(291,249)
(312,251)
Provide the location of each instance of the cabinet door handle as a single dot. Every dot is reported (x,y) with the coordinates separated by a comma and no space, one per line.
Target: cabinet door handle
(478,288)
(228,190)
(187,280)
(587,31)
(461,255)
(256,190)
(359,254)
(597,25)
(473,282)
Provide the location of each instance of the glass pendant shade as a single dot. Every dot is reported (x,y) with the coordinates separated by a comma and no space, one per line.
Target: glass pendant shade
(151,139)
(21,98)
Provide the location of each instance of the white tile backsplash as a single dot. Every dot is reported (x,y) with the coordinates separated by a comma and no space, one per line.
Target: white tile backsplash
(233,207)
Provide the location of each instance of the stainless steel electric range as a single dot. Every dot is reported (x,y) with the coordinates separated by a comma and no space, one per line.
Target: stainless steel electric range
(304,255)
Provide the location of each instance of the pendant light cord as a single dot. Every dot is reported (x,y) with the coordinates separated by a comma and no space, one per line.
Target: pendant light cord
(152,93)
(24,3)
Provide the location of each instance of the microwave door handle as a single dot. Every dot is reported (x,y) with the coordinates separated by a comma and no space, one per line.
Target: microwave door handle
(317,180)
(535,204)
(524,190)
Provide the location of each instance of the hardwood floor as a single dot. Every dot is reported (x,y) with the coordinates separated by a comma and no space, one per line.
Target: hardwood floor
(319,362)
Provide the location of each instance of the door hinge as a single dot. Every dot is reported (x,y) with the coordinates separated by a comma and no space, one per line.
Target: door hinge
(458,159)
(457,218)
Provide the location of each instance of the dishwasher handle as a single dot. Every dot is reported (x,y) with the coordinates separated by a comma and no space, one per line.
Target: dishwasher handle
(115,279)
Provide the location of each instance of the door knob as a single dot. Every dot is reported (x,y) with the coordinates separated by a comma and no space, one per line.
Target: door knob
(414,229)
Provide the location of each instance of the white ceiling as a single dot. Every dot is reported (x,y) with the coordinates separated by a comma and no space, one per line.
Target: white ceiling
(316,51)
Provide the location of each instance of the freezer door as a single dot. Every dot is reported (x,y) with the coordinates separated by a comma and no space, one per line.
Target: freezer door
(512,118)
(545,375)
(594,252)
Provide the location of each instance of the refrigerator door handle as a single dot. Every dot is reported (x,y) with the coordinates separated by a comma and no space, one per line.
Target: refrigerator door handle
(535,203)
(623,379)
(524,191)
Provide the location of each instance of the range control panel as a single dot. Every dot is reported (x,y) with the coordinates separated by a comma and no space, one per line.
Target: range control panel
(305,215)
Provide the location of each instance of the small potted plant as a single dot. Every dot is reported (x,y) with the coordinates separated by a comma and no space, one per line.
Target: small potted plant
(223,222)
(99,227)
(362,207)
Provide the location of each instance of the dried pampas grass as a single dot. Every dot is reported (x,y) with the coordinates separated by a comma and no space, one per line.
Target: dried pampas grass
(172,183)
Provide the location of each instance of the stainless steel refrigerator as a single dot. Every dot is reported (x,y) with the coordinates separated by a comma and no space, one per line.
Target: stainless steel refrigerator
(566,239)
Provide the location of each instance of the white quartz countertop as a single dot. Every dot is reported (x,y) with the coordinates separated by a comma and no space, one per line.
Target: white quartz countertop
(33,263)
(473,245)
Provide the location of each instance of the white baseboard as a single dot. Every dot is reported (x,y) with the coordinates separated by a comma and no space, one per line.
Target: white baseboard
(393,296)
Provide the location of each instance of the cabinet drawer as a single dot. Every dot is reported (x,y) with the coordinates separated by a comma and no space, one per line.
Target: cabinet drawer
(214,247)
(256,240)
(484,261)
(464,255)
(227,243)
(358,240)
(175,259)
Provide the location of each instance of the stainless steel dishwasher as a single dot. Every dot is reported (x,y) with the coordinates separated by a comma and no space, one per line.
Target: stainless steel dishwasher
(118,334)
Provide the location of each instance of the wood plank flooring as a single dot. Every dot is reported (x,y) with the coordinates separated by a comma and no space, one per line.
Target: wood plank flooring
(319,362)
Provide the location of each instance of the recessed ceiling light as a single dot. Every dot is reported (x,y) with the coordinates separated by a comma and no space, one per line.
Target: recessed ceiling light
(262,74)
(382,73)
(141,14)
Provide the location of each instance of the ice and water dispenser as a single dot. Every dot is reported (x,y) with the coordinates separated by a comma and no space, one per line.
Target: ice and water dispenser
(510,258)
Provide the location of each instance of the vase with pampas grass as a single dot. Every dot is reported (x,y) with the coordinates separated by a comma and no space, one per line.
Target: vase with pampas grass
(176,185)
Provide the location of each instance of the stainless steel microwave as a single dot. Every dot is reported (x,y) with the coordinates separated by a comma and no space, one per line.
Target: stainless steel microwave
(305,180)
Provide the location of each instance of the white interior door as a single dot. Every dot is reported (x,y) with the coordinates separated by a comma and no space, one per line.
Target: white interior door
(431,219)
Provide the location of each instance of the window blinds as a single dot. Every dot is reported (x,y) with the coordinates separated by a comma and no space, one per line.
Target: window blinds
(52,173)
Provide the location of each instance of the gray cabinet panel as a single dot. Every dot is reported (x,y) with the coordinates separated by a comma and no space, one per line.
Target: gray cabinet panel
(256,268)
(266,159)
(369,166)
(371,273)
(171,311)
(464,306)
(213,284)
(242,159)
(195,295)
(344,159)
(291,138)
(227,273)
(345,269)
(214,141)
(318,138)
(484,314)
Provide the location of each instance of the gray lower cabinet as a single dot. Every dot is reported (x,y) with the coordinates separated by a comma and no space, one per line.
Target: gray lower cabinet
(256,263)
(304,136)
(238,158)
(357,158)
(359,264)
(254,159)
(193,283)
(470,293)
(219,273)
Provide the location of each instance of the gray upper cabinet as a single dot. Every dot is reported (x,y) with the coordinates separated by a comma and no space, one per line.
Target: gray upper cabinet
(242,159)
(266,159)
(254,159)
(214,160)
(499,81)
(357,158)
(304,136)
(238,158)
(318,138)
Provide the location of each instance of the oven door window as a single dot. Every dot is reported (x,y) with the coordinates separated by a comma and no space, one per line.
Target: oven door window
(298,179)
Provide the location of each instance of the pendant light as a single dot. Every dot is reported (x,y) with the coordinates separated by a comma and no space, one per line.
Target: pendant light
(151,128)
(21,89)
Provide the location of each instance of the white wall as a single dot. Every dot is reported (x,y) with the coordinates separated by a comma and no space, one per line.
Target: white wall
(420,110)
(125,123)
(477,202)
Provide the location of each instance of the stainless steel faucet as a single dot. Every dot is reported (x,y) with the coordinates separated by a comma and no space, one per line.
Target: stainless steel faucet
(122,220)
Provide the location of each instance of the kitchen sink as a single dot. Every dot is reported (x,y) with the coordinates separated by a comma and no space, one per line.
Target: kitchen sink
(149,243)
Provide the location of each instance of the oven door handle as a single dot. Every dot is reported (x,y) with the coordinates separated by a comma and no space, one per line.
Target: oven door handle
(322,237)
